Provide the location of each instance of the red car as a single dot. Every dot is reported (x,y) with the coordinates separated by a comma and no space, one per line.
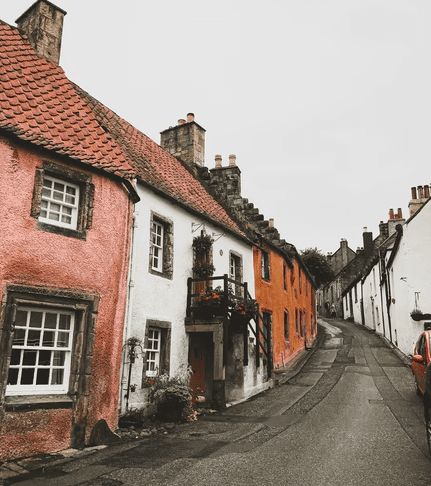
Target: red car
(421,368)
(420,360)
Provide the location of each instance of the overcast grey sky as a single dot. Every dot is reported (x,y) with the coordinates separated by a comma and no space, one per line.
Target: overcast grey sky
(325,102)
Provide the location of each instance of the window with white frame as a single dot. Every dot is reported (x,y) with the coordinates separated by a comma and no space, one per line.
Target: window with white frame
(156,251)
(41,351)
(153,352)
(59,203)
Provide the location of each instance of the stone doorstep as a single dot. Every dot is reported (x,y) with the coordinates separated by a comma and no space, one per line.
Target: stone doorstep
(18,467)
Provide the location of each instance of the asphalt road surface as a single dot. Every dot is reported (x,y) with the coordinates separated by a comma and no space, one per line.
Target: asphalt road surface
(351,417)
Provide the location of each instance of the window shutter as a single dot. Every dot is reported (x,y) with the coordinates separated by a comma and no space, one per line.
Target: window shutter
(37,193)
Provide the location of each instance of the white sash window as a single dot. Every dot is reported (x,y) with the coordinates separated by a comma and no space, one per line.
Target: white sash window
(41,351)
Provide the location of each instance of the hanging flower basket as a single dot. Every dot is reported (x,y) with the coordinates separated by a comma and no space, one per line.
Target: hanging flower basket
(204,270)
(202,243)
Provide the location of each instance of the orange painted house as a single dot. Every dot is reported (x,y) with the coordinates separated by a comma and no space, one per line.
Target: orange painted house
(286,296)
(284,288)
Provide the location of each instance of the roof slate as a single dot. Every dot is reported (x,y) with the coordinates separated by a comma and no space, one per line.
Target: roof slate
(39,104)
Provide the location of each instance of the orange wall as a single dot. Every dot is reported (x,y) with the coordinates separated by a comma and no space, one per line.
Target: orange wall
(272,296)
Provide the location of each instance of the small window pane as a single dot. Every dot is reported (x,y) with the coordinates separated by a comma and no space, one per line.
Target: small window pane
(58,358)
(43,214)
(54,216)
(71,190)
(46,192)
(15,357)
(50,321)
(36,319)
(48,339)
(55,207)
(58,186)
(64,321)
(12,378)
(42,377)
(44,358)
(67,210)
(70,199)
(63,339)
(66,219)
(27,376)
(58,196)
(33,338)
(57,377)
(21,318)
(19,337)
(47,183)
(29,358)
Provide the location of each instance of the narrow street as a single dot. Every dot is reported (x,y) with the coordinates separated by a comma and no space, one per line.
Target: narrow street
(350,417)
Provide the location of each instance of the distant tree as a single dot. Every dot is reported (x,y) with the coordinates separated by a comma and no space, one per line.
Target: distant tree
(318,265)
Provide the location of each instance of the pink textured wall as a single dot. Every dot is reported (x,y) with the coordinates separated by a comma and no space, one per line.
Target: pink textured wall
(97,265)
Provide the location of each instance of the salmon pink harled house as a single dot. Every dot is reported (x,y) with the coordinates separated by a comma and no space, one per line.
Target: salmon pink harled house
(67,199)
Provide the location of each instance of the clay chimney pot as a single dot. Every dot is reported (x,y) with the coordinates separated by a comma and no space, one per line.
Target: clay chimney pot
(391,214)
(181,121)
(190,117)
(218,161)
(271,222)
(232,160)
(427,191)
(414,193)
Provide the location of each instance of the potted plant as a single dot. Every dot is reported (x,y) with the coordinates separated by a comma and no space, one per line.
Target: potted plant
(172,397)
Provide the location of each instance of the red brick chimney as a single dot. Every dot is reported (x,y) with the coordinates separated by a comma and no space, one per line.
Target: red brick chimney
(43,25)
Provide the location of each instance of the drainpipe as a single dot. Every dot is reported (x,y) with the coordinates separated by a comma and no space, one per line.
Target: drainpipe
(130,295)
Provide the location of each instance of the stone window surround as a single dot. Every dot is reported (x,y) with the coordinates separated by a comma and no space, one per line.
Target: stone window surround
(238,290)
(286,325)
(265,270)
(165,328)
(168,246)
(85,307)
(86,198)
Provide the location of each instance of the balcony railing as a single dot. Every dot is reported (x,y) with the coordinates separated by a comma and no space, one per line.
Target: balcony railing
(217,297)
(223,298)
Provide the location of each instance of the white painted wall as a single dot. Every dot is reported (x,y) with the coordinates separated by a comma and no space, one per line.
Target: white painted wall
(373,308)
(411,273)
(155,297)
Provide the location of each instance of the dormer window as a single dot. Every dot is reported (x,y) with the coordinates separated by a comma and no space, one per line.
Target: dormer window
(59,203)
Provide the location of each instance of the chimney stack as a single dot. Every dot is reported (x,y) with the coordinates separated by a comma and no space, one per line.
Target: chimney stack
(185,141)
(218,161)
(367,237)
(420,195)
(232,160)
(43,25)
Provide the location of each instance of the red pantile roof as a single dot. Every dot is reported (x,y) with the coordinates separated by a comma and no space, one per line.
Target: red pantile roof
(39,104)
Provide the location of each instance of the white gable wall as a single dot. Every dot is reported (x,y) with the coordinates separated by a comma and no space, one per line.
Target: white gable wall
(157,298)
(411,273)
